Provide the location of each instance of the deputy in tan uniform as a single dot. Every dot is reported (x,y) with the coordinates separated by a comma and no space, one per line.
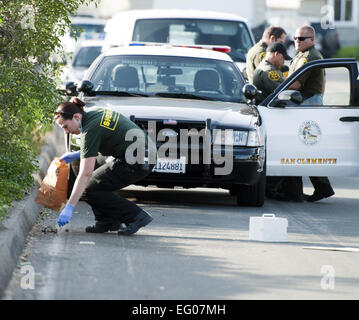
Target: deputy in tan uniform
(268,75)
(258,51)
(311,85)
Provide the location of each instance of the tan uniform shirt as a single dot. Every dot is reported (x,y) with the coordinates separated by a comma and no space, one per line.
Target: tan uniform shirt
(254,57)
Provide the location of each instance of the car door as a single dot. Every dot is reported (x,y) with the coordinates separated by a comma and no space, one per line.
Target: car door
(315,140)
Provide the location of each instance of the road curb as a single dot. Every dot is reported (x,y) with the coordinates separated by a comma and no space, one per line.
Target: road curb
(23,215)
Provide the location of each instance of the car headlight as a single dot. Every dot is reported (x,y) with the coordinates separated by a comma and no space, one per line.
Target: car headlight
(230,137)
(250,138)
(254,139)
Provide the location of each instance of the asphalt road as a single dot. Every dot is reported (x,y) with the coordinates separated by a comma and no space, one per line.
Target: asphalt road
(197,247)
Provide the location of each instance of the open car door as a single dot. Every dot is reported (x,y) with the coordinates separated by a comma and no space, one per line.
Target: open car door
(315,140)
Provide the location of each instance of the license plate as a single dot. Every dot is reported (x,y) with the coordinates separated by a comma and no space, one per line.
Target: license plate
(170,165)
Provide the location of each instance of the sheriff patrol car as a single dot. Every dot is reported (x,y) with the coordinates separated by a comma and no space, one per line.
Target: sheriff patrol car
(183,89)
(191,103)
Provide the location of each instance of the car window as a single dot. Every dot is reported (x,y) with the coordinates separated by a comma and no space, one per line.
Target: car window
(88,28)
(194,31)
(335,88)
(154,75)
(85,56)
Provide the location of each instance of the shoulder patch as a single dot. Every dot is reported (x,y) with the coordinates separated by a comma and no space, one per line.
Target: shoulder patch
(109,119)
(262,55)
(302,61)
(273,75)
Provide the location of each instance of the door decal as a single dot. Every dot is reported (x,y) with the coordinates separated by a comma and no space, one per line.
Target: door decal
(309,132)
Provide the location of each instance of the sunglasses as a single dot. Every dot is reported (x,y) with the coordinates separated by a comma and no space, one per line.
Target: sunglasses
(301,38)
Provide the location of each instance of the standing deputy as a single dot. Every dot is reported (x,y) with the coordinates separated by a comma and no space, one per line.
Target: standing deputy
(268,75)
(311,85)
(103,131)
(258,51)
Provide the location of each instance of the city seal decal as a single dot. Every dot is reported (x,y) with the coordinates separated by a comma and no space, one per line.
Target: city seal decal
(309,132)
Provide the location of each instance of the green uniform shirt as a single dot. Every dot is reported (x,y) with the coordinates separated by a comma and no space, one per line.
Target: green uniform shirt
(254,57)
(104,131)
(267,78)
(312,81)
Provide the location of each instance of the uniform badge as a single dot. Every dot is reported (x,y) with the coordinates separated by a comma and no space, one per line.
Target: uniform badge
(309,132)
(273,75)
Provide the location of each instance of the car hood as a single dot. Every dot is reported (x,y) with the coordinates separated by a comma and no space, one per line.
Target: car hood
(221,113)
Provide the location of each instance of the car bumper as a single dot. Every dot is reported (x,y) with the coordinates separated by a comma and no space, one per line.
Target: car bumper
(247,165)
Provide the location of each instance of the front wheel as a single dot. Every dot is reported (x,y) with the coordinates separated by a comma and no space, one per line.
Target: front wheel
(253,195)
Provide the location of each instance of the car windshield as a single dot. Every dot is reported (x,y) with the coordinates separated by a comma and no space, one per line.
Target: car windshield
(85,56)
(193,31)
(87,28)
(169,76)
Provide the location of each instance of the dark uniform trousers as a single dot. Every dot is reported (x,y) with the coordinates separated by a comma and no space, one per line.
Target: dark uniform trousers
(114,175)
(322,186)
(292,187)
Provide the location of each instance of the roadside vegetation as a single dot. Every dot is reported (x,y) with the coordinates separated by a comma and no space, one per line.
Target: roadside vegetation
(29,33)
(348,52)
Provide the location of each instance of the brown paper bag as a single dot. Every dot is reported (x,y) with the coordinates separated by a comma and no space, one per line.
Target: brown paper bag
(52,193)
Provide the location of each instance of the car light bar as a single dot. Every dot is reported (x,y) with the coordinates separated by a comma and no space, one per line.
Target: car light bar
(170,122)
(225,49)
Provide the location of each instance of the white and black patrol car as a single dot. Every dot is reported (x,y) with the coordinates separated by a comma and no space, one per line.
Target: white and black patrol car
(228,142)
(191,104)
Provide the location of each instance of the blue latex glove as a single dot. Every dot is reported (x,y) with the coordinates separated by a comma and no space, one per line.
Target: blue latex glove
(65,215)
(70,156)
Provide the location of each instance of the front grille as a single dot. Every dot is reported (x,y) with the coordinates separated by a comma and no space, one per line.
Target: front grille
(174,125)
(183,137)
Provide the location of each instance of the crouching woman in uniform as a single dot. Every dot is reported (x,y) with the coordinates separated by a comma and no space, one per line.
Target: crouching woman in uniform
(104,131)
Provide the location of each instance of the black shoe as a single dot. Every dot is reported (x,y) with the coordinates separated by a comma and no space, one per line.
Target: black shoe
(101,227)
(316,196)
(306,196)
(142,219)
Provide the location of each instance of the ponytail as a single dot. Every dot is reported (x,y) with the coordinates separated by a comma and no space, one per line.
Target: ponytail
(69,108)
(79,103)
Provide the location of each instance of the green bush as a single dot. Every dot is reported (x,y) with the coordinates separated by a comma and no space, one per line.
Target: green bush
(348,52)
(29,31)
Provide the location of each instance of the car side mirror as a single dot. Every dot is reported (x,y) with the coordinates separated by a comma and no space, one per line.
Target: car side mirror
(250,91)
(289,98)
(85,86)
(71,89)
